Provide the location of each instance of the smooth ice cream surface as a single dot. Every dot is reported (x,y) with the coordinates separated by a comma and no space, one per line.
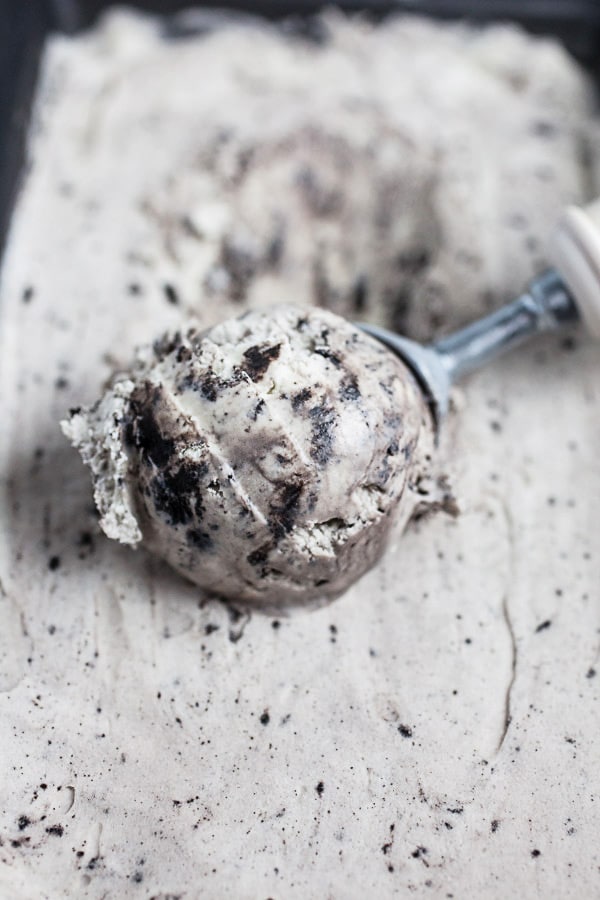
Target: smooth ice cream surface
(265,459)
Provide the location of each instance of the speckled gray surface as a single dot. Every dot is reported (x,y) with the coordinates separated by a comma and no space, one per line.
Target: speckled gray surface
(432,733)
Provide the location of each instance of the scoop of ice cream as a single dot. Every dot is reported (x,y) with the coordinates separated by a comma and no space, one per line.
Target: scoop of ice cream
(265,459)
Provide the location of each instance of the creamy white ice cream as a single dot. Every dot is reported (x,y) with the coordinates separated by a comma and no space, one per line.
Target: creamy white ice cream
(265,459)
(176,745)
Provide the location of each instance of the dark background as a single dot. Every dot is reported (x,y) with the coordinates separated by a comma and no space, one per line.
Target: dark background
(24,24)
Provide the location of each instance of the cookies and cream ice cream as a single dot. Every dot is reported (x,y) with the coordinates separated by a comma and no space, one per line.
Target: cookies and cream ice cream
(380,746)
(264,459)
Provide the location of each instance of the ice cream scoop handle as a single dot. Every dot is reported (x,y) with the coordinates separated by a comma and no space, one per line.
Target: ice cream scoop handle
(570,291)
(574,251)
(545,306)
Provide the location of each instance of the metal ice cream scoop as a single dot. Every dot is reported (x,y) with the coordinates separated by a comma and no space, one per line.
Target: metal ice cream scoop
(564,295)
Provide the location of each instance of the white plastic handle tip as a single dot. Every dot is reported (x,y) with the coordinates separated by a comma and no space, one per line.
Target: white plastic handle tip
(574,252)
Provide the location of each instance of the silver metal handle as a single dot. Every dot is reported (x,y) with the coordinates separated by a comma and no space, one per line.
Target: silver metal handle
(545,306)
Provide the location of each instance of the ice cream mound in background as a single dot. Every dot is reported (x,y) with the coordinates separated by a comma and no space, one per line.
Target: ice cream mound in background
(408,173)
(266,459)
